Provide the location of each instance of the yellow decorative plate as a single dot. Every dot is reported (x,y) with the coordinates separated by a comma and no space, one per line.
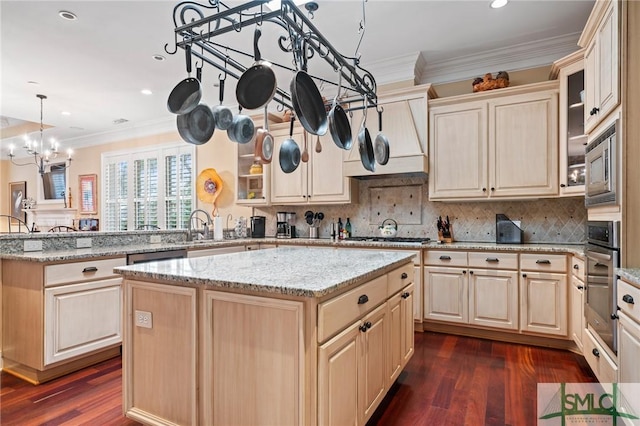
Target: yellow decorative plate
(208,186)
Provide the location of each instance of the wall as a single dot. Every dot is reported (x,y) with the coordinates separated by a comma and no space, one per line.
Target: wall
(405,199)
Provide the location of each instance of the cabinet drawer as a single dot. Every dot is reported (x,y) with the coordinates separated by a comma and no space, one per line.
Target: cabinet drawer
(493,260)
(604,368)
(88,270)
(629,299)
(399,278)
(543,262)
(445,258)
(577,267)
(337,313)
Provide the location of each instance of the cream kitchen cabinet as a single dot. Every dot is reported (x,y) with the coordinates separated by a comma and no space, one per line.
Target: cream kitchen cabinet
(543,294)
(601,41)
(629,334)
(506,144)
(576,300)
(351,371)
(404,123)
(572,139)
(60,317)
(252,188)
(321,180)
(482,289)
(400,332)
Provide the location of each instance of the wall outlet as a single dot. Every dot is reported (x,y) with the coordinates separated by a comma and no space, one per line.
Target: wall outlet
(143,319)
(83,243)
(156,239)
(33,245)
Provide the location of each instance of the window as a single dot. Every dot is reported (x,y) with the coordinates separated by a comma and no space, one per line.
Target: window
(151,186)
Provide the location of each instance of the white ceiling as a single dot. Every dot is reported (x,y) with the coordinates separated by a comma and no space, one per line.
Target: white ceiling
(95,67)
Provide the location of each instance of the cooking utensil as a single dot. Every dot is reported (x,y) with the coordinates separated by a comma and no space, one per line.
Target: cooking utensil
(257,85)
(381,146)
(222,115)
(339,125)
(186,96)
(196,126)
(305,151)
(307,100)
(264,141)
(289,155)
(242,129)
(318,146)
(365,147)
(389,228)
(309,217)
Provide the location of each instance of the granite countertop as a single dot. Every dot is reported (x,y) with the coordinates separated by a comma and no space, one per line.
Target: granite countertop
(293,271)
(632,275)
(123,250)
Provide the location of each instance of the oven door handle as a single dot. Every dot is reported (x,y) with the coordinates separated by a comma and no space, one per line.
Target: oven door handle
(599,256)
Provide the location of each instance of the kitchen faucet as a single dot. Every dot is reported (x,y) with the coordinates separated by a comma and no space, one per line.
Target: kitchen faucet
(204,233)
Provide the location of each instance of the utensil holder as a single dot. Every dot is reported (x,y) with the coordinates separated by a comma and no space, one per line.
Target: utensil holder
(448,238)
(313,232)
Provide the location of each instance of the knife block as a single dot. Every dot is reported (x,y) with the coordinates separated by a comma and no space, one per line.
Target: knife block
(449,238)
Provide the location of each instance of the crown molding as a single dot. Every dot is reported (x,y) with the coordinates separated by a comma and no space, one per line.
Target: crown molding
(393,70)
(510,58)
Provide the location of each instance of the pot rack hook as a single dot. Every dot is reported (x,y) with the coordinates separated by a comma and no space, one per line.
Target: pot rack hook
(220,78)
(237,26)
(175,45)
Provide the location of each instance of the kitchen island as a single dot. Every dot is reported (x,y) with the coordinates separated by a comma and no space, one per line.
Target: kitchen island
(279,336)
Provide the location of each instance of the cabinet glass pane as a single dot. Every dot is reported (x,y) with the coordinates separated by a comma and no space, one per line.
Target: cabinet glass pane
(575,129)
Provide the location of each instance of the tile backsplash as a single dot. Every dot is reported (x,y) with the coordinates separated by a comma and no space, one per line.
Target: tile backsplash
(405,199)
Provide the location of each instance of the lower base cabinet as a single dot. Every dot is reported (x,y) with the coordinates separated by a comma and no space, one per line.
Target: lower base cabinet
(543,303)
(195,356)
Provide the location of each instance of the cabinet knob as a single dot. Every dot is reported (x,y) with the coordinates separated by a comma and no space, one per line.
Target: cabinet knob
(524,275)
(580,287)
(484,189)
(364,327)
(89,269)
(363,299)
(404,276)
(576,267)
(562,185)
(405,295)
(627,298)
(614,316)
(470,272)
(594,111)
(596,352)
(464,272)
(492,189)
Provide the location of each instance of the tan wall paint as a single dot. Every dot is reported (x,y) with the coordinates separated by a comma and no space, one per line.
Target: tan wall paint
(219,153)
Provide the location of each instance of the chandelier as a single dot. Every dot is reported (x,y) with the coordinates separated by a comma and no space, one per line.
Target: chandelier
(41,155)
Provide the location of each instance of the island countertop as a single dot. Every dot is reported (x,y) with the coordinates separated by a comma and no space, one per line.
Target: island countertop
(294,271)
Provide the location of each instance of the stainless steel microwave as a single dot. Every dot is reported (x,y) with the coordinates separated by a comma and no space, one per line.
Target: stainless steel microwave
(601,169)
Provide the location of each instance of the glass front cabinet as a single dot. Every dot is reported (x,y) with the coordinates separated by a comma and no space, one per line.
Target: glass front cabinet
(572,139)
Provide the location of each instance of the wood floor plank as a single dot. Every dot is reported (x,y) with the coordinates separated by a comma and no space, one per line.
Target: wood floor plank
(450,380)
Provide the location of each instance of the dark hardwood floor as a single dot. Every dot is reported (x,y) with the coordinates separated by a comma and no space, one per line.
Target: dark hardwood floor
(450,380)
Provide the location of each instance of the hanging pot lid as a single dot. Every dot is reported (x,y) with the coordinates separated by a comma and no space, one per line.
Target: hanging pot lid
(208,186)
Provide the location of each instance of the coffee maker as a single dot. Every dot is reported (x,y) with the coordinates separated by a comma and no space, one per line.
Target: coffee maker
(285,225)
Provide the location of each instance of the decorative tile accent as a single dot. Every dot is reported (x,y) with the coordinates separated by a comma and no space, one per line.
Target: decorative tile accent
(553,220)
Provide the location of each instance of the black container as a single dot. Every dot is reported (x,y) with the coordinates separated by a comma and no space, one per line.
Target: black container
(257,226)
(507,232)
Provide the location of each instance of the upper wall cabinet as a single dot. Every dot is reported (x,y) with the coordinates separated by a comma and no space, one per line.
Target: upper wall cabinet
(500,144)
(404,123)
(571,137)
(321,180)
(601,41)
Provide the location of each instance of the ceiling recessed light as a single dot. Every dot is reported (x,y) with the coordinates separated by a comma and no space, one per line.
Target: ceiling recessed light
(66,113)
(496,4)
(69,16)
(146,92)
(158,57)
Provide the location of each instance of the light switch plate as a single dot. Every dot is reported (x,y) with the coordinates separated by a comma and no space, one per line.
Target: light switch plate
(143,319)
(83,243)
(33,245)
(156,239)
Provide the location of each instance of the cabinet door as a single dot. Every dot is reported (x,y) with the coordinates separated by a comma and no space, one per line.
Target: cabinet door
(417,295)
(543,303)
(523,147)
(493,298)
(395,318)
(608,74)
(446,294)
(80,318)
(591,97)
(338,378)
(407,342)
(327,182)
(576,298)
(458,142)
(288,188)
(372,377)
(628,356)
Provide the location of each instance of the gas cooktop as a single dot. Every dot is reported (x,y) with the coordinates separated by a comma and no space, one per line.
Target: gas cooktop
(393,239)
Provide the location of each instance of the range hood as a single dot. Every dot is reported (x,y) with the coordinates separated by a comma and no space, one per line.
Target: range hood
(404,122)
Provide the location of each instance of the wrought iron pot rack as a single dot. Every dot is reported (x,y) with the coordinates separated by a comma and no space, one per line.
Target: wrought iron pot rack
(198,25)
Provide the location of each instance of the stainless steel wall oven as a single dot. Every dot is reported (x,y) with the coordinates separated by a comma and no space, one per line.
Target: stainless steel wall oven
(602,254)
